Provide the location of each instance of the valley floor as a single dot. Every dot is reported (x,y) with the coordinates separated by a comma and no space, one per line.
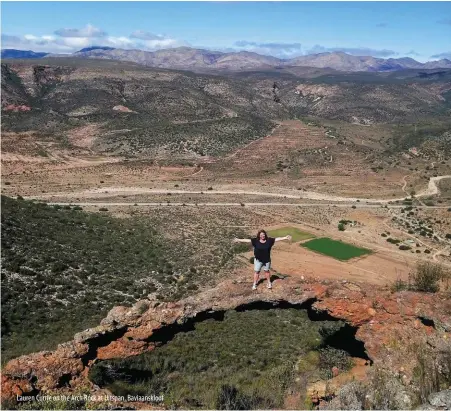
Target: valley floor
(297,176)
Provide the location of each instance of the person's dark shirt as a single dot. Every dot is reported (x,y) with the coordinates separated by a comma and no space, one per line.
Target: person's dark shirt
(262,251)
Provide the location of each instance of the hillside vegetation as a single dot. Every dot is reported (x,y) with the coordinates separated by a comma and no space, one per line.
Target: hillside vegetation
(63,269)
(141,111)
(246,361)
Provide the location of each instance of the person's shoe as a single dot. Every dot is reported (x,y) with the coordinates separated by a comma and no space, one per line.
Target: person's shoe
(269,285)
(254,287)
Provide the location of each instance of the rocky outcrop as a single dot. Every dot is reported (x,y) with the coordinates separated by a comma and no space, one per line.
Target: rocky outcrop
(16,108)
(438,401)
(387,324)
(123,109)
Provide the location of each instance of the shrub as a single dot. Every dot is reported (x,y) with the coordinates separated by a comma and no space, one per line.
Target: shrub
(404,247)
(341,227)
(331,357)
(103,209)
(229,398)
(399,285)
(426,276)
(240,248)
(432,372)
(393,240)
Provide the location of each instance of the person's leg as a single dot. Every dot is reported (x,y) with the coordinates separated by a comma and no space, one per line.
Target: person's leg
(257,268)
(266,269)
(256,278)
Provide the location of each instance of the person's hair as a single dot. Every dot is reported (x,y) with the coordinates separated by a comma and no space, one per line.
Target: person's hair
(262,231)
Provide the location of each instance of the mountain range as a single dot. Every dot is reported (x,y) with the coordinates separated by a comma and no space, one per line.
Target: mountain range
(186,58)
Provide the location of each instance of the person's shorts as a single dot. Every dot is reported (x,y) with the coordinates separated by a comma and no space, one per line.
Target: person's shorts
(258,266)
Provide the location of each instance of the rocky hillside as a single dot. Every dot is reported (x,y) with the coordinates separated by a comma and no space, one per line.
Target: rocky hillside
(140,111)
(405,336)
(137,110)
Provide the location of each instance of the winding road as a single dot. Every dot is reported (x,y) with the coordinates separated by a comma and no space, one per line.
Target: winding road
(432,189)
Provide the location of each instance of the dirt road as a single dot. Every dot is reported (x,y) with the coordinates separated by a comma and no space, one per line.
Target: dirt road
(432,189)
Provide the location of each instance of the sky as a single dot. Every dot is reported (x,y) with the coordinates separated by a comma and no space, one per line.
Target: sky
(420,30)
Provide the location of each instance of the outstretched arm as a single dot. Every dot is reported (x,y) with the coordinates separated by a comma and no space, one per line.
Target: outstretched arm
(241,240)
(287,237)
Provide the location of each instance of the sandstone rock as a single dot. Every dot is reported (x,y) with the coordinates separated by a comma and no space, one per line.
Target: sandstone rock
(122,348)
(16,108)
(386,332)
(123,109)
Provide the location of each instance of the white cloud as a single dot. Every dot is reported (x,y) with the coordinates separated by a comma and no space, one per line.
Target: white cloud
(446,55)
(145,35)
(76,42)
(280,50)
(69,40)
(87,31)
(161,44)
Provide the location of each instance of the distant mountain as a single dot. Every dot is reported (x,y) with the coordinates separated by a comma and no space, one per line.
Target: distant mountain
(192,59)
(346,62)
(95,48)
(443,63)
(186,58)
(21,54)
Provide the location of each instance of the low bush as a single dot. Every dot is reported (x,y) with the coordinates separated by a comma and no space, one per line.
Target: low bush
(426,276)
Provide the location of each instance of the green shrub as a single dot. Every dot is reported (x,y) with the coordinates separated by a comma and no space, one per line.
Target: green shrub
(331,357)
(240,248)
(399,285)
(393,240)
(71,256)
(426,276)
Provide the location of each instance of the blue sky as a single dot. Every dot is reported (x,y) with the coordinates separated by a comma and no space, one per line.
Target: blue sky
(421,30)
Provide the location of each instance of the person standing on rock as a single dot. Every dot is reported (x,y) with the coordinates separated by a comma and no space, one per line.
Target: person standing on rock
(262,253)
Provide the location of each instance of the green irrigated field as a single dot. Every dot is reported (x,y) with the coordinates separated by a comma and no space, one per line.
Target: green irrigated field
(336,249)
(296,234)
